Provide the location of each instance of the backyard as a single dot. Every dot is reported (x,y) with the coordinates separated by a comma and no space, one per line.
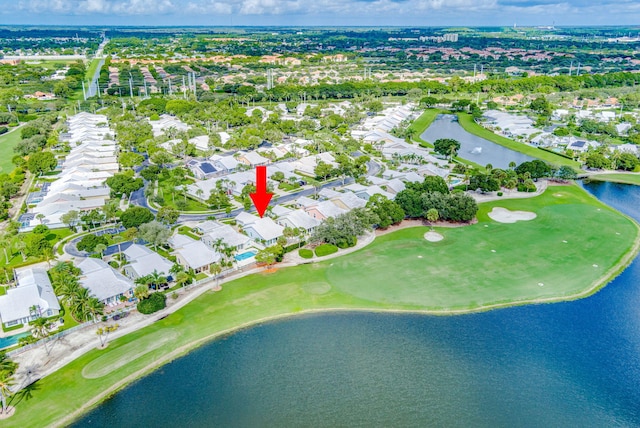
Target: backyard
(7,142)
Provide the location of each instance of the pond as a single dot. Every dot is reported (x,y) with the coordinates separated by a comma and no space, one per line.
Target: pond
(472,147)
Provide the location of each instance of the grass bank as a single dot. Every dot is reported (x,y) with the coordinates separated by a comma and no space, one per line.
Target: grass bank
(573,247)
(422,123)
(627,178)
(469,125)
(8,142)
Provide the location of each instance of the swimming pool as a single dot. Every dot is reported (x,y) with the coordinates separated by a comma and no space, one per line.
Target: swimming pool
(245,255)
(8,341)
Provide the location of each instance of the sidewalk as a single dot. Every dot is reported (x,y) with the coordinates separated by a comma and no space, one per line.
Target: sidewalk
(35,363)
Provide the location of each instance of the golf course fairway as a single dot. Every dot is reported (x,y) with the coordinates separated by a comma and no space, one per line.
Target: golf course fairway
(572,247)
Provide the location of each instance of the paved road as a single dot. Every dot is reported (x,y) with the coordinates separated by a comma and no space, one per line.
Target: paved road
(138,198)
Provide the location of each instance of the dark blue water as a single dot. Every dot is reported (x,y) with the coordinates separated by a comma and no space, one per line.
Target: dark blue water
(573,364)
(445,126)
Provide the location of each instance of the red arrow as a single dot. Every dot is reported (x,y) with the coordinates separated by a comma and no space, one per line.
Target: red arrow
(261,197)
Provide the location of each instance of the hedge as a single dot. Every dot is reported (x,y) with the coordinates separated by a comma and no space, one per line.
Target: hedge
(325,250)
(153,303)
(305,253)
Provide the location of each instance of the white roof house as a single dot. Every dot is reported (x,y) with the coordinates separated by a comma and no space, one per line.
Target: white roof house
(224,163)
(34,291)
(144,261)
(348,201)
(252,158)
(299,219)
(104,282)
(225,234)
(263,229)
(201,142)
(165,122)
(193,254)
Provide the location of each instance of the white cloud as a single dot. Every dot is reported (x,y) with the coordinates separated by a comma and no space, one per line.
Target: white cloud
(355,12)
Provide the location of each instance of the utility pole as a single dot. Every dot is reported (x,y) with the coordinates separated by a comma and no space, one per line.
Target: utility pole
(130,88)
(571,68)
(84,93)
(184,88)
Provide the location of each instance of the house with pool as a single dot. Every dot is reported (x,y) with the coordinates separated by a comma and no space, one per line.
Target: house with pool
(263,230)
(31,299)
(216,234)
(193,254)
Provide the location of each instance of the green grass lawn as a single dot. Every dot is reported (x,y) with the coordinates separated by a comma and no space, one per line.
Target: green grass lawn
(171,195)
(398,271)
(617,178)
(7,142)
(422,123)
(466,121)
(14,256)
(325,250)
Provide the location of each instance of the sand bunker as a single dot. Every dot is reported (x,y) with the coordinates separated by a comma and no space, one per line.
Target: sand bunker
(433,236)
(503,215)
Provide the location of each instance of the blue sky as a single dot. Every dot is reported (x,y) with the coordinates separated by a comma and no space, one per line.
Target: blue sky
(320,12)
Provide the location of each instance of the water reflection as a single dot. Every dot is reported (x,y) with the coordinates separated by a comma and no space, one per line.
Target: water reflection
(472,147)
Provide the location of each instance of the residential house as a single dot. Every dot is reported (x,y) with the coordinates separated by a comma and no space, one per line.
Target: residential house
(193,254)
(252,158)
(263,229)
(299,219)
(143,261)
(103,282)
(32,298)
(214,233)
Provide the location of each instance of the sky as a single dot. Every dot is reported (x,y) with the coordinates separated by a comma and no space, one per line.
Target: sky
(320,12)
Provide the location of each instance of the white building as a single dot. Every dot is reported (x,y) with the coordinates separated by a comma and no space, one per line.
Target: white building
(32,298)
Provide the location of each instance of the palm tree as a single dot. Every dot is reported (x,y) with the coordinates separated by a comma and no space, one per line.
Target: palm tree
(20,246)
(432,216)
(79,305)
(40,217)
(216,269)
(141,291)
(6,381)
(182,278)
(40,330)
(5,242)
(155,279)
(95,308)
(100,249)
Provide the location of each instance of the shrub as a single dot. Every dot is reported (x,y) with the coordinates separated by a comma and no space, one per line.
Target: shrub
(500,193)
(325,250)
(89,242)
(3,130)
(305,253)
(153,303)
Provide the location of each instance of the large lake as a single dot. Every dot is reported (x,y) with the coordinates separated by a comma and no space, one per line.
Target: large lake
(472,147)
(573,364)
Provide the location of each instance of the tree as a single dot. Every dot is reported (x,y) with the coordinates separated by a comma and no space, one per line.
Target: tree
(167,215)
(141,291)
(536,168)
(266,256)
(216,269)
(597,161)
(70,218)
(103,333)
(566,173)
(484,182)
(432,216)
(6,382)
(161,158)
(446,147)
(627,162)
(130,159)
(90,242)
(154,232)
(40,329)
(323,170)
(387,211)
(41,162)
(124,184)
(100,248)
(135,216)
(541,106)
